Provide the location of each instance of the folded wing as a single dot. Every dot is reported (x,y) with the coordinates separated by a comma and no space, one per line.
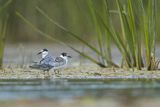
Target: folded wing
(45,64)
(59,61)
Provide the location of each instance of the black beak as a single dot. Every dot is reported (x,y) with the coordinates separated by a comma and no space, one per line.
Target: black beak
(39,53)
(69,56)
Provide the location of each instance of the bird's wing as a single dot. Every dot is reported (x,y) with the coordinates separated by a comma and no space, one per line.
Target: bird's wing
(41,61)
(59,59)
(59,62)
(47,60)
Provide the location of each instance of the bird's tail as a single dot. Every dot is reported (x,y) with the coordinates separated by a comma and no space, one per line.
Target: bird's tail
(35,66)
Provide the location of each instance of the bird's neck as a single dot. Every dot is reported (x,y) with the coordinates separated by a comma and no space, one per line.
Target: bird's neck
(64,57)
(44,54)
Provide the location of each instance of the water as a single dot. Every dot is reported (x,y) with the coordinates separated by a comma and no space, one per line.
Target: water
(61,89)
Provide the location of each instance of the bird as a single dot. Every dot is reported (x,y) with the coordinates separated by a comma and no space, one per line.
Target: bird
(46,63)
(61,60)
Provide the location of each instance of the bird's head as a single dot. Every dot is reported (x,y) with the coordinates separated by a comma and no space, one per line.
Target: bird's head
(43,52)
(64,55)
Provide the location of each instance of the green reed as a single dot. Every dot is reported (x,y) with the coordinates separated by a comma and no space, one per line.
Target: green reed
(129,41)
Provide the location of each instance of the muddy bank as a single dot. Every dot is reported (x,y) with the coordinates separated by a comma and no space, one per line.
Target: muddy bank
(83,72)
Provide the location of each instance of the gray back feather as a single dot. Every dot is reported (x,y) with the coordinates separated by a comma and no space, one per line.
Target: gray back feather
(48,60)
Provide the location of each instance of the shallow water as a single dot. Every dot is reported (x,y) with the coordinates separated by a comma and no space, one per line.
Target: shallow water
(61,89)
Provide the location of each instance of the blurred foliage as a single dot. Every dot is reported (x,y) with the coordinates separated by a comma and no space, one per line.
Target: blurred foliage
(72,14)
(4,15)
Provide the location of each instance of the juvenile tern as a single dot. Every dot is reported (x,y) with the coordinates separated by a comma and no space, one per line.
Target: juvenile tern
(62,60)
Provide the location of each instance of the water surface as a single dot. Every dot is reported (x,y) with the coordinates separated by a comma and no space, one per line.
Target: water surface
(61,89)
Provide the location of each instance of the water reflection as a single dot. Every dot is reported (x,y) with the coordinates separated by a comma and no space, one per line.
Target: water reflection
(72,88)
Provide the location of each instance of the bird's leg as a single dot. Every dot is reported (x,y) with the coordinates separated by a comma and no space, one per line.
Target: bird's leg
(56,71)
(44,73)
(46,76)
(48,72)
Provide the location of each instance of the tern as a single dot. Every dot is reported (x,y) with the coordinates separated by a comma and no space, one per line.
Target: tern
(46,63)
(61,61)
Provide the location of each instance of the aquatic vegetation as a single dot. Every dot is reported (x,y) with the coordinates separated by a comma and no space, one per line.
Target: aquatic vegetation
(154,63)
(3,27)
(133,34)
(136,32)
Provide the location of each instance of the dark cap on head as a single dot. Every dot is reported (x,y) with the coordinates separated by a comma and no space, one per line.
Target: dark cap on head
(42,51)
(64,54)
(45,49)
